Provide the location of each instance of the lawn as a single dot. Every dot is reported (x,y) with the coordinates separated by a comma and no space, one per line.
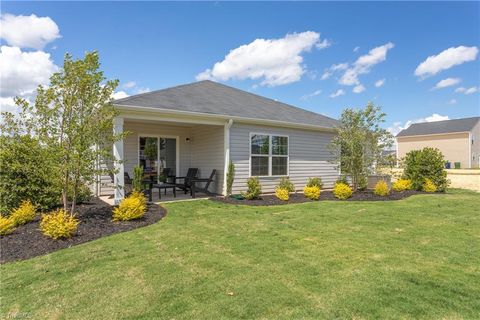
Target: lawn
(412,258)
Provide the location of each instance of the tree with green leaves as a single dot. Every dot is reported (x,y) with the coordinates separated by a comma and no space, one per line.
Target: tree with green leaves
(359,141)
(74,117)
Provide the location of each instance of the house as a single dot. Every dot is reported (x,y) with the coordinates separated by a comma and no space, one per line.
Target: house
(458,140)
(206,125)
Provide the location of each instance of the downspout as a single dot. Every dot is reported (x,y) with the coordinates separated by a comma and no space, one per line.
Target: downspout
(226,149)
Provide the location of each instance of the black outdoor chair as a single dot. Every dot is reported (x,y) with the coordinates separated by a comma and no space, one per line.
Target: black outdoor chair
(204,189)
(186,185)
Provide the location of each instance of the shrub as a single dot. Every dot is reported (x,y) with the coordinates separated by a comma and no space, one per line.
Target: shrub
(137,178)
(254,189)
(230,177)
(381,189)
(427,163)
(24,213)
(27,171)
(342,179)
(58,224)
(429,186)
(282,193)
(314,182)
(132,207)
(7,225)
(84,194)
(402,184)
(285,183)
(312,192)
(342,191)
(362,182)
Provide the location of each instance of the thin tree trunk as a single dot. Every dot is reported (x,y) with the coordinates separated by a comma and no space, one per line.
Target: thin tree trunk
(74,198)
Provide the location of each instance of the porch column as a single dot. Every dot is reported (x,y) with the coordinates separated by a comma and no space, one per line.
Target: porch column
(226,147)
(118,155)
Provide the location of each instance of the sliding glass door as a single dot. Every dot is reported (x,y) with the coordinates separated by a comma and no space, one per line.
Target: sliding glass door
(156,154)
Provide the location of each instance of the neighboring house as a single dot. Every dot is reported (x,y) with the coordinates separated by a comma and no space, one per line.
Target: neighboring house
(206,125)
(458,140)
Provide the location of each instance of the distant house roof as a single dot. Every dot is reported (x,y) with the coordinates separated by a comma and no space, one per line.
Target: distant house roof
(208,97)
(439,127)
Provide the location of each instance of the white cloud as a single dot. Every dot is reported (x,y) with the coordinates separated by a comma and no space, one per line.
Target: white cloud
(129,84)
(119,95)
(398,126)
(445,60)
(7,105)
(326,74)
(380,83)
(356,49)
(448,82)
(364,64)
(142,90)
(471,90)
(466,91)
(339,92)
(334,67)
(358,89)
(452,101)
(275,61)
(21,72)
(28,31)
(311,95)
(339,66)
(435,117)
(323,44)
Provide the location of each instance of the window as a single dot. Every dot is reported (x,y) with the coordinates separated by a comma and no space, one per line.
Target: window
(157,153)
(269,155)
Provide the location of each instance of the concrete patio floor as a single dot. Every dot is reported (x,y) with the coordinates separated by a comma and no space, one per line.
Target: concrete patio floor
(181,196)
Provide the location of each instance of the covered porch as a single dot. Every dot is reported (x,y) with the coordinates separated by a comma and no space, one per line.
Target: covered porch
(176,144)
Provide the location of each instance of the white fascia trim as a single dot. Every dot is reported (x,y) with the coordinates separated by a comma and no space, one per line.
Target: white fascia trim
(138,110)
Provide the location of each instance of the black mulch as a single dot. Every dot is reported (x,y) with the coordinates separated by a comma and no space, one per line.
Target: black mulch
(95,222)
(271,200)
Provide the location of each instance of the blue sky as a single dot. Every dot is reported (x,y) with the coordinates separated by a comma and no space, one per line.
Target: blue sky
(152,45)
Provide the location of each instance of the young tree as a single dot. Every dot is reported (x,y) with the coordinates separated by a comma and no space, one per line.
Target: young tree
(359,141)
(73,116)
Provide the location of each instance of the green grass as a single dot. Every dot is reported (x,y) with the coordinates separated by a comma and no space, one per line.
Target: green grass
(414,258)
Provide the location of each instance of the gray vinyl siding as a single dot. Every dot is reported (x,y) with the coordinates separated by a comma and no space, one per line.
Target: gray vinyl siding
(204,151)
(308,156)
(207,153)
(136,129)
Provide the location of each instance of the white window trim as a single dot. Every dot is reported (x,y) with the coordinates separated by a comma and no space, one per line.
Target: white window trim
(269,155)
(158,136)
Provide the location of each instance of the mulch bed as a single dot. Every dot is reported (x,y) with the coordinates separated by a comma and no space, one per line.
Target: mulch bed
(272,200)
(95,222)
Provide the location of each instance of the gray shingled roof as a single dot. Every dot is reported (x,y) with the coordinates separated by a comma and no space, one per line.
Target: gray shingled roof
(213,98)
(438,127)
